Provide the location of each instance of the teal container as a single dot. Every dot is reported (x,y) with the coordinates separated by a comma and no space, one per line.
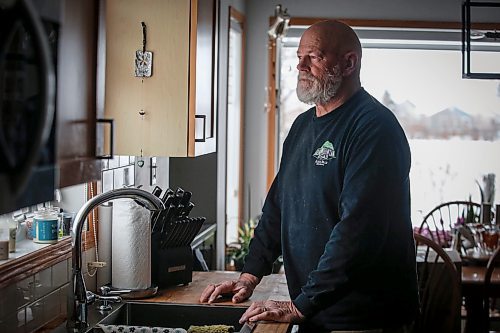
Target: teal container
(46,227)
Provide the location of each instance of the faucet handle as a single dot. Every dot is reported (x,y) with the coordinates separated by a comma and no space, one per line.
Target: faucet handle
(105,290)
(106,299)
(91,297)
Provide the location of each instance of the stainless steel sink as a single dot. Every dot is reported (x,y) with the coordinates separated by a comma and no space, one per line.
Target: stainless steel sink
(174,315)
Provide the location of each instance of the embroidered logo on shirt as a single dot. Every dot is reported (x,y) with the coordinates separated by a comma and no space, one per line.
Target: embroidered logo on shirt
(324,154)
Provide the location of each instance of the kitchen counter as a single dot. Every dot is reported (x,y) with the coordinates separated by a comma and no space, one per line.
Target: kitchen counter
(271,287)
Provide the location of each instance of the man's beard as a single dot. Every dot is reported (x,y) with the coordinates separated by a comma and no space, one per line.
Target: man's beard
(318,90)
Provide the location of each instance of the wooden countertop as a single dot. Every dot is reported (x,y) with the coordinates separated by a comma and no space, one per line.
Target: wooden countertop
(271,287)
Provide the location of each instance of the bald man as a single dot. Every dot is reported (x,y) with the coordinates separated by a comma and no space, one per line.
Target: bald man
(339,208)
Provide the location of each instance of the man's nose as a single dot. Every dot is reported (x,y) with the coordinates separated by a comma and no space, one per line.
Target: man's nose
(303,64)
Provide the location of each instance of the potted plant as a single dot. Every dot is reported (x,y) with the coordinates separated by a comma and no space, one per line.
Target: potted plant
(238,251)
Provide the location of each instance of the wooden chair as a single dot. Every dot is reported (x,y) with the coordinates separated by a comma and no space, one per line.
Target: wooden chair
(439,222)
(491,293)
(439,289)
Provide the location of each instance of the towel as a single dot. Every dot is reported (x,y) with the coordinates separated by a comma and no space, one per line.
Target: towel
(138,329)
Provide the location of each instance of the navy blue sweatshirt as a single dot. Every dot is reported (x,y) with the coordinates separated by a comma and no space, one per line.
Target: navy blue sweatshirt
(339,212)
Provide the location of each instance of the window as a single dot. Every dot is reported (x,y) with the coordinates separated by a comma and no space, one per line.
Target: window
(235,121)
(452,124)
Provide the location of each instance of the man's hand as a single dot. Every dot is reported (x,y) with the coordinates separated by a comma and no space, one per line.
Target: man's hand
(241,289)
(281,311)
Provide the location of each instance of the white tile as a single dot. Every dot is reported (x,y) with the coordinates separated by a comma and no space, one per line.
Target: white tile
(107,181)
(105,164)
(118,178)
(128,176)
(114,163)
(124,161)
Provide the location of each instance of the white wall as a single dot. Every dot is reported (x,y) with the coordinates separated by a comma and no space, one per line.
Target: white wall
(258,13)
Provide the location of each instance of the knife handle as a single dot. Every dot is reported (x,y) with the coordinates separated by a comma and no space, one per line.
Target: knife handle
(187,209)
(167,194)
(157,191)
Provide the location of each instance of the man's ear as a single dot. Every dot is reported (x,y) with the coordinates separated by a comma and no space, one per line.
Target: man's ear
(351,60)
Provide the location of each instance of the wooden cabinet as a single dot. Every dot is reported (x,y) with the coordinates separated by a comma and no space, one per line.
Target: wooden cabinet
(178,99)
(76,93)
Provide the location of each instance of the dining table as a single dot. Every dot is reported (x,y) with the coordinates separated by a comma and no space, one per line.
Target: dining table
(473,292)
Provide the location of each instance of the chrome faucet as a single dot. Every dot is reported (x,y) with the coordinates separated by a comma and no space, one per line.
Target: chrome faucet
(79,298)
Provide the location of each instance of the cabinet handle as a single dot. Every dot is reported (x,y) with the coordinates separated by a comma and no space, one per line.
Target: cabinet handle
(111,145)
(204,117)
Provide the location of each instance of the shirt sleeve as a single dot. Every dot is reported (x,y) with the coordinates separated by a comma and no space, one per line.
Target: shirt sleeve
(265,247)
(376,172)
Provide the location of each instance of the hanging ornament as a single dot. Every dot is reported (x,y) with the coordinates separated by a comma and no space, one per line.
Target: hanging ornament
(143,58)
(140,161)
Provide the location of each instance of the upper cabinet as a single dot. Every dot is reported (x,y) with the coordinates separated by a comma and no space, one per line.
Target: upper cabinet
(76,109)
(170,113)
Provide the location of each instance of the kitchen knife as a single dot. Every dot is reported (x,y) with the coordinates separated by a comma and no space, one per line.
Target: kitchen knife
(170,230)
(173,237)
(154,214)
(167,193)
(196,224)
(187,209)
(186,197)
(167,218)
(248,327)
(157,191)
(179,193)
(184,226)
(169,208)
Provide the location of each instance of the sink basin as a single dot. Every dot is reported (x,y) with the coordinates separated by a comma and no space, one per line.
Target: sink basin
(174,315)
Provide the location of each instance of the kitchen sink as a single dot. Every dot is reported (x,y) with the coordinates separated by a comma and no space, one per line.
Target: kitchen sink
(174,315)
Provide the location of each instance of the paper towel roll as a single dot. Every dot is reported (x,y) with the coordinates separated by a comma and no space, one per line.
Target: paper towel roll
(131,246)
(104,234)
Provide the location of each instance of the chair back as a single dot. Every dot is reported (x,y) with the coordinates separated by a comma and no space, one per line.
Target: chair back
(439,289)
(489,291)
(439,222)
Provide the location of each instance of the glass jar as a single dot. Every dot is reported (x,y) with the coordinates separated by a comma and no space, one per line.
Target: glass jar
(46,225)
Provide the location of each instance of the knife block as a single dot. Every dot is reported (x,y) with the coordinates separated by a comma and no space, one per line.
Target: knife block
(171,266)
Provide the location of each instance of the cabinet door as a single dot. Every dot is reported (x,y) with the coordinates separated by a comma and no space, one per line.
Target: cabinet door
(163,97)
(76,93)
(203,94)
(178,100)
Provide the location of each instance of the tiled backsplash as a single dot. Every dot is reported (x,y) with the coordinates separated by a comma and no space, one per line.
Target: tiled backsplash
(29,304)
(123,171)
(118,173)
